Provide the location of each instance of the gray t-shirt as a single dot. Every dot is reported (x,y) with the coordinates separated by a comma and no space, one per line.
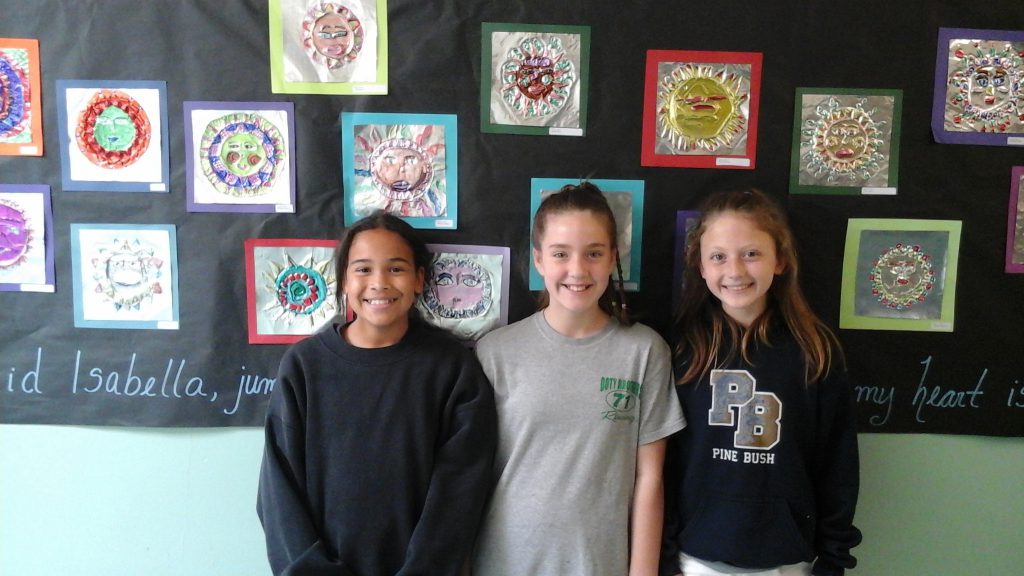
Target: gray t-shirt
(571,414)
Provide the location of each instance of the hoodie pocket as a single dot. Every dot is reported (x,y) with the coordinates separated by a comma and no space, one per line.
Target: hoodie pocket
(752,533)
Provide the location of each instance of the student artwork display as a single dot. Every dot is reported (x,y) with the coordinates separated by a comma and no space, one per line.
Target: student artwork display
(1015,223)
(125,276)
(404,164)
(321,47)
(26,238)
(685,221)
(700,109)
(289,284)
(845,141)
(536,79)
(626,199)
(240,156)
(900,274)
(978,97)
(21,110)
(113,135)
(466,290)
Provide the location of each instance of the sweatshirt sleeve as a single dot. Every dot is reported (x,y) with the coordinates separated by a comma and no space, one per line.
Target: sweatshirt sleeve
(461,480)
(293,544)
(837,478)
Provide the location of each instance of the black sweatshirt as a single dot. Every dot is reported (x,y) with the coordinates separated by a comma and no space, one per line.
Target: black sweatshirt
(767,472)
(377,461)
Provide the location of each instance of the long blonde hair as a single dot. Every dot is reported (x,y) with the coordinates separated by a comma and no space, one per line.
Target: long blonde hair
(703,330)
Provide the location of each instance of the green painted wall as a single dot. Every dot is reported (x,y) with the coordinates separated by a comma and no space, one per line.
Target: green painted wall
(88,501)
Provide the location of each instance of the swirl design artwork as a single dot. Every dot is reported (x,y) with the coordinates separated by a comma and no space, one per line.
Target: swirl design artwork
(15,234)
(242,154)
(15,96)
(537,77)
(902,277)
(113,130)
(303,290)
(984,86)
(843,143)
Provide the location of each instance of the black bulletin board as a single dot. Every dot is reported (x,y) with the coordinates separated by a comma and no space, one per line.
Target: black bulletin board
(204,50)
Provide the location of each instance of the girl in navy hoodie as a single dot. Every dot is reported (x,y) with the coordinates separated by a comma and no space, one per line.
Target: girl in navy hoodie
(764,479)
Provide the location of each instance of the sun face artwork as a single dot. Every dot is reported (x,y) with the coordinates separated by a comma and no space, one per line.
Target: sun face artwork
(403,164)
(239,156)
(26,245)
(113,135)
(21,127)
(700,109)
(537,79)
(290,284)
(846,141)
(125,275)
(332,34)
(328,46)
(466,291)
(979,87)
(900,274)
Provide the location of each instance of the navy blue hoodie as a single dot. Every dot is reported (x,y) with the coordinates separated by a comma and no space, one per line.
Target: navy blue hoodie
(767,471)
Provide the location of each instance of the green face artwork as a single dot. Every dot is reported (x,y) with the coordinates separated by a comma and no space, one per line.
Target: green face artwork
(243,154)
(115,130)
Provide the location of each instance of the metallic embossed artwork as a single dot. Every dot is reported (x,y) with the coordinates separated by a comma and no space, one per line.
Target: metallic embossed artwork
(403,164)
(700,109)
(979,87)
(21,111)
(291,288)
(26,245)
(113,135)
(537,80)
(900,274)
(466,291)
(125,275)
(239,156)
(846,141)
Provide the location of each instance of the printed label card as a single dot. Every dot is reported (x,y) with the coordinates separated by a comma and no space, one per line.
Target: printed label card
(240,156)
(21,106)
(125,276)
(328,47)
(290,285)
(900,274)
(978,97)
(845,141)
(403,164)
(626,199)
(536,81)
(700,109)
(113,135)
(466,290)
(26,238)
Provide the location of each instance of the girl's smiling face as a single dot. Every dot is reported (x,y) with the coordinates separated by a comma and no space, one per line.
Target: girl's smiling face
(381,286)
(575,258)
(738,262)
